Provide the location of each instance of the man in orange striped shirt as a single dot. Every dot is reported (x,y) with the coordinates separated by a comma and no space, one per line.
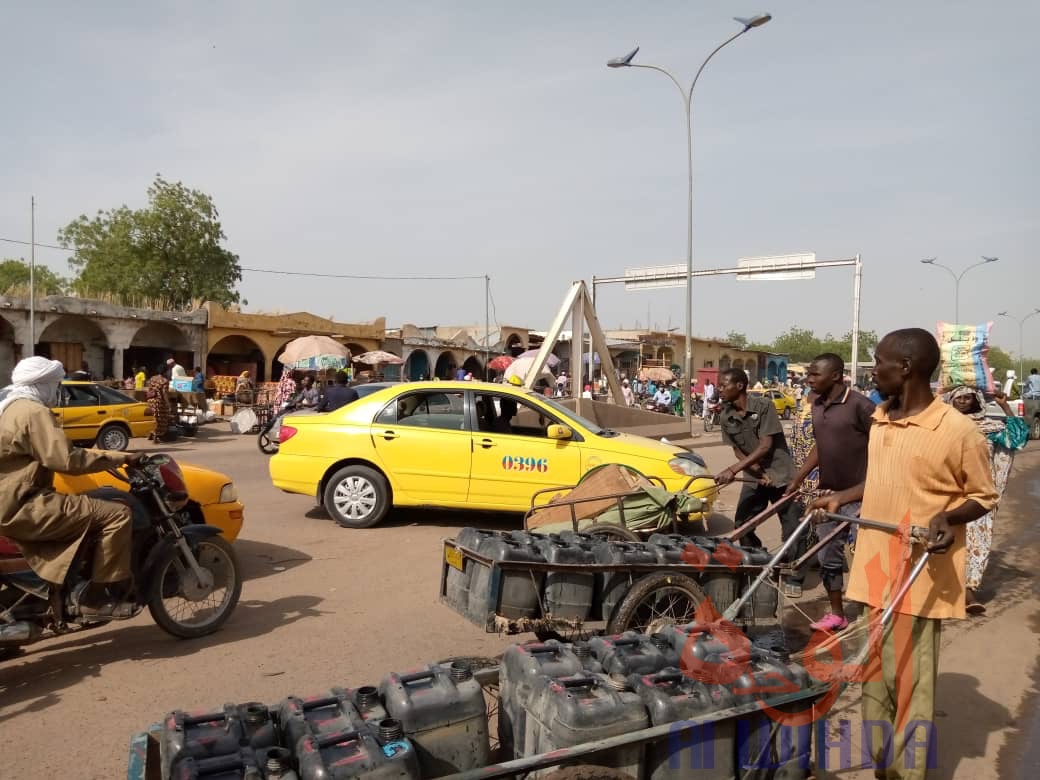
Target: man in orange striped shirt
(927,465)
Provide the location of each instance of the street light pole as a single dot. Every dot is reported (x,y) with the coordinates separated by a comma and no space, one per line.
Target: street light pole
(1021,322)
(687,99)
(957,280)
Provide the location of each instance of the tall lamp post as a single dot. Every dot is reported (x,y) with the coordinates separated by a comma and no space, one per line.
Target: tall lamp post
(957,280)
(687,98)
(1021,322)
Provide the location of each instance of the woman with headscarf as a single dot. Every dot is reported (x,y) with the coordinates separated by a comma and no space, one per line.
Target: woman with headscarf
(49,526)
(244,388)
(286,391)
(1005,436)
(157,395)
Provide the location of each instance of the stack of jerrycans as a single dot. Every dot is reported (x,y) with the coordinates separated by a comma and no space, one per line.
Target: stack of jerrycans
(568,594)
(231,743)
(524,671)
(346,733)
(614,585)
(518,594)
(442,712)
(458,581)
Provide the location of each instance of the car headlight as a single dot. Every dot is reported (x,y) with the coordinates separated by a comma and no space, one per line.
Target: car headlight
(228,493)
(688,465)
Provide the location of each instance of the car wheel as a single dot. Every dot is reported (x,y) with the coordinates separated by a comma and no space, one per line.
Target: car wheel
(357,497)
(1035,433)
(113,437)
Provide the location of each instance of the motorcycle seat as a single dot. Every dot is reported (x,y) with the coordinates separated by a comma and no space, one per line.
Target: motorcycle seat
(11,559)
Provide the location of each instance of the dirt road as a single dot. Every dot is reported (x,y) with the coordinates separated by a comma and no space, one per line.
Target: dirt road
(322,606)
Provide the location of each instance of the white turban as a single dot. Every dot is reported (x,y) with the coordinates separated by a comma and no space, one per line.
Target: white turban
(36,379)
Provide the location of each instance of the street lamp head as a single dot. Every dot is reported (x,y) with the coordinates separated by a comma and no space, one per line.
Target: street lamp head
(623,62)
(755,21)
(1002,314)
(989,259)
(929,260)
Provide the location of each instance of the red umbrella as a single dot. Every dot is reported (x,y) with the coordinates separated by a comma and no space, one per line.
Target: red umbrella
(501,363)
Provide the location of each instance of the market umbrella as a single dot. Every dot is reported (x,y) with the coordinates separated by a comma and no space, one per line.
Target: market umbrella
(521,367)
(314,353)
(378,357)
(500,363)
(657,373)
(552,360)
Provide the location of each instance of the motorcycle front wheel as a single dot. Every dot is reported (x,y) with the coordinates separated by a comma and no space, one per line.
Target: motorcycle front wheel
(183,607)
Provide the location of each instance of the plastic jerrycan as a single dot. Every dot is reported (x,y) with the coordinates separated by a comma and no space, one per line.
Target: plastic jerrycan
(614,585)
(568,595)
(457,583)
(203,735)
(583,708)
(317,715)
(518,592)
(357,752)
(442,712)
(628,653)
(524,670)
(706,750)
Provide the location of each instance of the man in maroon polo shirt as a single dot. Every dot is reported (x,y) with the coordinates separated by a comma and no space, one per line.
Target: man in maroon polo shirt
(841,420)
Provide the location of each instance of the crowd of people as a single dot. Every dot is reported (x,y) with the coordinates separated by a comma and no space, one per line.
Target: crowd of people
(912,458)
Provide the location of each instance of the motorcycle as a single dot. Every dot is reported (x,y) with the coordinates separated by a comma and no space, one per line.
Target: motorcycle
(185,574)
(711,419)
(267,439)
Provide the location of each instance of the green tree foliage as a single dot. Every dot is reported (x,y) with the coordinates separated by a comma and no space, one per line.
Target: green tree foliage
(737,339)
(802,345)
(14,277)
(168,253)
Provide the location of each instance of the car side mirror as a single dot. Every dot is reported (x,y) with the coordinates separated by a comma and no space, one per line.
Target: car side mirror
(558,432)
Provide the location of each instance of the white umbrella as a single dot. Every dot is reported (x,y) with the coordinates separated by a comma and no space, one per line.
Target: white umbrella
(314,352)
(521,367)
(551,362)
(377,356)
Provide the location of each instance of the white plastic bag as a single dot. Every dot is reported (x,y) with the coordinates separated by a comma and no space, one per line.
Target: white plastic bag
(243,421)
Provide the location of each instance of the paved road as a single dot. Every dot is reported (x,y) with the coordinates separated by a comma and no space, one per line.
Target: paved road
(324,606)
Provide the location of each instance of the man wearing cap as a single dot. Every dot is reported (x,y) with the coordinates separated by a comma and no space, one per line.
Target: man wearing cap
(49,526)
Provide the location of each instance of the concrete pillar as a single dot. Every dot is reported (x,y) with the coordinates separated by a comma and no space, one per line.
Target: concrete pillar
(117,363)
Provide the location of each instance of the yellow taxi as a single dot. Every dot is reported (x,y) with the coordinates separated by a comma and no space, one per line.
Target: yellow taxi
(785,404)
(460,445)
(89,412)
(214,498)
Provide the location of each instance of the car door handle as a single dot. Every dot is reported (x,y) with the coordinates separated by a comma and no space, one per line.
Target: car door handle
(388,435)
(487,443)
(101,411)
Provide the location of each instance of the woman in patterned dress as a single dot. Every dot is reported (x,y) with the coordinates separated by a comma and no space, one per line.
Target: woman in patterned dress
(1005,435)
(159,404)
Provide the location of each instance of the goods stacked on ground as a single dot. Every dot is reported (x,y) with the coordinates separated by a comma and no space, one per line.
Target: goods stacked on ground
(432,722)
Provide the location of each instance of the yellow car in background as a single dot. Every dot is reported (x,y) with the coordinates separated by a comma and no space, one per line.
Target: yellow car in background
(213,496)
(459,445)
(785,404)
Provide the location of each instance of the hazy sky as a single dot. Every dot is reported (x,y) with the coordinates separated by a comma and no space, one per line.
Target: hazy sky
(475,137)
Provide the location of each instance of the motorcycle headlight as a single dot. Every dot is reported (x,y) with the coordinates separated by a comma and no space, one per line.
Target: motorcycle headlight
(687,466)
(228,493)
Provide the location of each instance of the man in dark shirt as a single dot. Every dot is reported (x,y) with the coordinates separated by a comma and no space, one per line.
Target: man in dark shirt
(752,428)
(338,395)
(841,426)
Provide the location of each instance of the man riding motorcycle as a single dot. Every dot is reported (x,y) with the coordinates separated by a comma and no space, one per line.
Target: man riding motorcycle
(49,527)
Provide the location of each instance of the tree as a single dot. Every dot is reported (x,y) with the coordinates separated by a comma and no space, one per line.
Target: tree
(14,275)
(738,340)
(799,344)
(169,253)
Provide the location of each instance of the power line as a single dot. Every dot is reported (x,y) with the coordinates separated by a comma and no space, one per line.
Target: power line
(29,243)
(356,276)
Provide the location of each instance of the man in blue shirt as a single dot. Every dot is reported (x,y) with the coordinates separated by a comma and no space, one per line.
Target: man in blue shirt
(198,382)
(1032,388)
(338,395)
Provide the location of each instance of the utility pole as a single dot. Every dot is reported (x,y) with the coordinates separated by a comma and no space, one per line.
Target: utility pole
(487,323)
(32,277)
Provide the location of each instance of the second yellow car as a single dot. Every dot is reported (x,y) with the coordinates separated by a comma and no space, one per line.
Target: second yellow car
(461,445)
(785,404)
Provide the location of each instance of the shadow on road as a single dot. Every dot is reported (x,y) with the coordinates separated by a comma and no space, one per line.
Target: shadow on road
(966,718)
(35,680)
(260,559)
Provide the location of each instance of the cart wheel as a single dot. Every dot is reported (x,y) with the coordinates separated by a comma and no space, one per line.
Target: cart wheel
(588,772)
(611,531)
(656,601)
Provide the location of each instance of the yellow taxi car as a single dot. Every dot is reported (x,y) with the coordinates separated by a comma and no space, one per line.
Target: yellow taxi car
(785,404)
(461,445)
(214,498)
(91,412)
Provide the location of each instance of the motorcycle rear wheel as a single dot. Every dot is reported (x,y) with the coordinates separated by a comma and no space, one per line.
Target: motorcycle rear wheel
(266,444)
(171,596)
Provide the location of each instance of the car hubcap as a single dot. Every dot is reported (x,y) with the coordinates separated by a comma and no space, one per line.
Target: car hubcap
(355,498)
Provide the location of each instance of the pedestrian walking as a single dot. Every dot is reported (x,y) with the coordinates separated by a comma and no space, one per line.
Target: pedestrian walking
(929,466)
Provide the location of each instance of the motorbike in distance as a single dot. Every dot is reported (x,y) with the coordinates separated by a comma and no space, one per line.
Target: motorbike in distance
(713,415)
(186,574)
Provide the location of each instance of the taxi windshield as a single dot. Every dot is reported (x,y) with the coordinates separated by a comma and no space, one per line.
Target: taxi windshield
(586,423)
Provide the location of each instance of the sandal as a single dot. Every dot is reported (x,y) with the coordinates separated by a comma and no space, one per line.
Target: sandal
(107,610)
